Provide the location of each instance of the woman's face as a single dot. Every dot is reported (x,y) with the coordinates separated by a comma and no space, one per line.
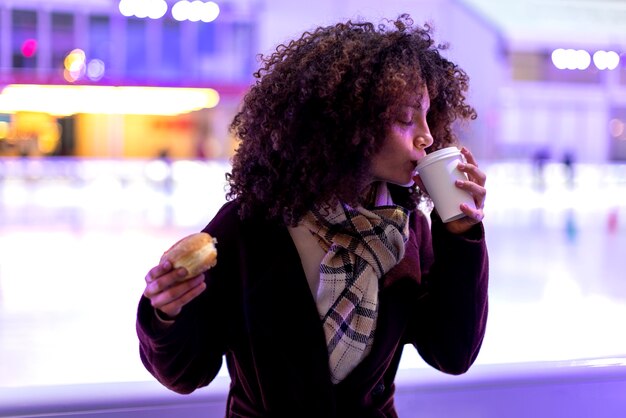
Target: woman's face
(406,142)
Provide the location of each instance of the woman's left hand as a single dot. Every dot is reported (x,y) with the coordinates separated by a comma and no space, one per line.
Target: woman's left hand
(475,185)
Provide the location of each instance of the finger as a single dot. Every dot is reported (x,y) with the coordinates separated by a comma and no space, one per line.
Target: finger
(174,307)
(174,292)
(165,281)
(158,271)
(478,192)
(472,167)
(474,189)
(469,157)
(473,173)
(476,215)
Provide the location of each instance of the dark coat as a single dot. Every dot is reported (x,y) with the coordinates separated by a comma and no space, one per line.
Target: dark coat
(259,313)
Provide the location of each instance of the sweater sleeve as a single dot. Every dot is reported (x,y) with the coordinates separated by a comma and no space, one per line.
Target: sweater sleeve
(450,319)
(177,355)
(187,353)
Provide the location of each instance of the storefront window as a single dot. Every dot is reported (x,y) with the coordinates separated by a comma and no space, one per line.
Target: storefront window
(136,48)
(207,44)
(100,38)
(24,44)
(62,38)
(170,49)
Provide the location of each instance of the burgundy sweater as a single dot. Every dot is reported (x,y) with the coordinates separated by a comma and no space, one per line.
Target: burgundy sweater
(258,313)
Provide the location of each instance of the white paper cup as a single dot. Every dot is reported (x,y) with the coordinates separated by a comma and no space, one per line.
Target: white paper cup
(438,171)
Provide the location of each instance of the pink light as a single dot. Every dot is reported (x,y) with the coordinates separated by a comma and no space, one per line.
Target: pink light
(29,48)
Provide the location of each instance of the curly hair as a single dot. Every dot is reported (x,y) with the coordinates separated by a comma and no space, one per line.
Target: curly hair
(322,106)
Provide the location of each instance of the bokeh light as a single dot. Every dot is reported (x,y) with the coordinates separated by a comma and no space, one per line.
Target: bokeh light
(75,65)
(616,128)
(572,59)
(606,60)
(153,9)
(4,129)
(195,11)
(29,48)
(95,69)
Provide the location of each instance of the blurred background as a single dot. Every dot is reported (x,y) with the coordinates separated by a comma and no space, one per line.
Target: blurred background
(114,144)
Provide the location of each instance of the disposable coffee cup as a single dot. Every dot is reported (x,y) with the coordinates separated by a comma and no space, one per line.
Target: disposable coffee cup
(438,171)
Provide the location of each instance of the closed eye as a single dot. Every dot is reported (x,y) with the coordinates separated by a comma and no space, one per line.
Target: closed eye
(405,117)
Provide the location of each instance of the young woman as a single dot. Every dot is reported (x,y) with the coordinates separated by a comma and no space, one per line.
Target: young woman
(326,266)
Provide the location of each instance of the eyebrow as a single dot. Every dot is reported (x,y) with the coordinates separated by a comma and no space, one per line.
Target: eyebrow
(415,106)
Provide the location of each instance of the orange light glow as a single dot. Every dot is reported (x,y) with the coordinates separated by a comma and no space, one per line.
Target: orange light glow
(70,100)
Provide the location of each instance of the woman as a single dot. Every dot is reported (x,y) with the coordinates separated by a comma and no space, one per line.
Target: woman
(326,265)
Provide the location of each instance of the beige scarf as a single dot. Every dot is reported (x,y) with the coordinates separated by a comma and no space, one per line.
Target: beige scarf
(361,246)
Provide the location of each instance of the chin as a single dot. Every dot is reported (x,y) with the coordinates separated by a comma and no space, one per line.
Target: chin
(403,183)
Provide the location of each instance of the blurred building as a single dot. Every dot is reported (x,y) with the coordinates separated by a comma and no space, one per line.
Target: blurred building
(65,68)
(562,88)
(547,77)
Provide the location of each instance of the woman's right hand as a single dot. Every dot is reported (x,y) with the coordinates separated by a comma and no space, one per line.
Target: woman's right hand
(167,292)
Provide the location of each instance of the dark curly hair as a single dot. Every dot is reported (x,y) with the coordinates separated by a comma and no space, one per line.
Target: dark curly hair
(322,106)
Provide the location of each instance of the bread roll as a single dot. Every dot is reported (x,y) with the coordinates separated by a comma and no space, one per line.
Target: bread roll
(195,252)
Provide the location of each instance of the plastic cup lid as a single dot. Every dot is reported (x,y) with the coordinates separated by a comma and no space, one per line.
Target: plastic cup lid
(438,155)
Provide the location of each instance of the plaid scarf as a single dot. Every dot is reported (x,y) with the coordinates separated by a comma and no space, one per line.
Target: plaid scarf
(361,246)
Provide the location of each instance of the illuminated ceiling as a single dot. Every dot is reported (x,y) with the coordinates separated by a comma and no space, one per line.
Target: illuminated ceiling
(556,23)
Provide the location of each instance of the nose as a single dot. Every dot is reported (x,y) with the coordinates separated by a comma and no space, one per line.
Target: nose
(423,140)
